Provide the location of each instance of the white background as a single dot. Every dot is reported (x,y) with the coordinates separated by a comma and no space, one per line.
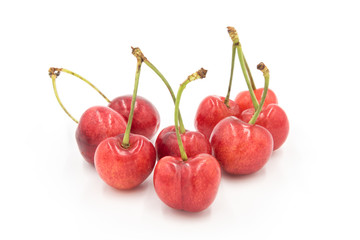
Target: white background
(308,190)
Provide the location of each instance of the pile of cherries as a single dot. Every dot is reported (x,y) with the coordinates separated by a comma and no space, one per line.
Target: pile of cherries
(239,136)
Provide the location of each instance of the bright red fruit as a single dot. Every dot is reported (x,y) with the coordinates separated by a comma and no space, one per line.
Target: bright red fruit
(146,119)
(243,99)
(189,185)
(186,183)
(194,143)
(95,125)
(241,148)
(274,119)
(211,110)
(126,160)
(125,168)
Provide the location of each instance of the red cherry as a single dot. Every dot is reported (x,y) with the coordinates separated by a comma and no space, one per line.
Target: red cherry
(95,125)
(186,183)
(194,143)
(274,119)
(243,99)
(146,119)
(189,185)
(126,161)
(241,148)
(211,110)
(125,168)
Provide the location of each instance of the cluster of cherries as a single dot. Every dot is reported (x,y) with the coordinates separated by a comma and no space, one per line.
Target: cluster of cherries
(237,135)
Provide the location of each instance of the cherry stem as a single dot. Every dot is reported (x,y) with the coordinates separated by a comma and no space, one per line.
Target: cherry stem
(53,78)
(235,38)
(55,72)
(126,140)
(231,75)
(249,73)
(198,75)
(261,66)
(138,53)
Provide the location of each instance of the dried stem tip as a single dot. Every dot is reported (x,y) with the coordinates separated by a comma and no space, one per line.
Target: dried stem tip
(138,54)
(202,73)
(233,35)
(262,67)
(199,74)
(54,71)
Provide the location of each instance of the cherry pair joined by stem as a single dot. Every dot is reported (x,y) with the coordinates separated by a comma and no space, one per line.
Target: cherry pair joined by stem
(241,147)
(122,160)
(215,108)
(96,123)
(126,160)
(187,182)
(99,122)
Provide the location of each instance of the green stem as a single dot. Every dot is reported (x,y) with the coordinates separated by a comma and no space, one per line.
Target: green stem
(261,66)
(235,38)
(82,78)
(53,78)
(199,74)
(126,139)
(249,73)
(231,75)
(55,72)
(251,91)
(150,65)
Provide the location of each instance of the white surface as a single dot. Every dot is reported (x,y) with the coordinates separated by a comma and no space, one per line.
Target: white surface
(308,190)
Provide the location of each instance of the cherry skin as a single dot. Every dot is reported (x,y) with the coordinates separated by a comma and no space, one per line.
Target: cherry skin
(189,185)
(211,110)
(274,119)
(194,143)
(125,168)
(96,124)
(146,119)
(241,148)
(243,99)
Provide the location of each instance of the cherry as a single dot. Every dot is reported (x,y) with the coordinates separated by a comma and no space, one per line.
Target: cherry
(249,99)
(243,99)
(125,161)
(96,123)
(189,184)
(124,167)
(274,119)
(240,147)
(215,108)
(146,119)
(194,142)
